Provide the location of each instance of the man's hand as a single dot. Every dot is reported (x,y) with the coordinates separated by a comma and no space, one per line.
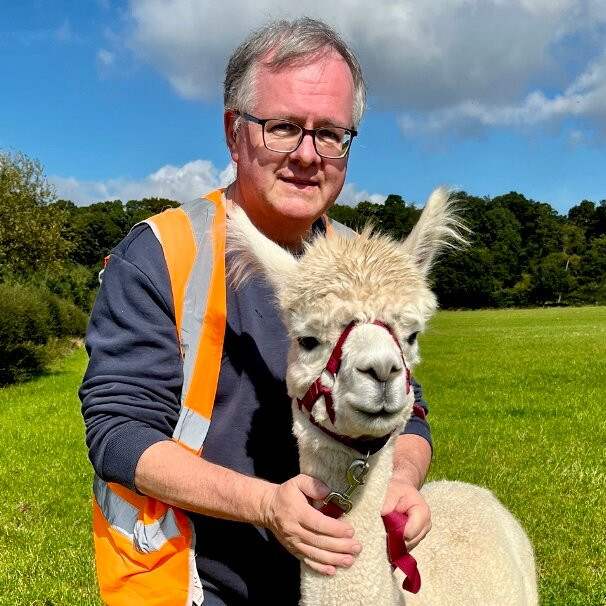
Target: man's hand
(321,542)
(412,456)
(405,498)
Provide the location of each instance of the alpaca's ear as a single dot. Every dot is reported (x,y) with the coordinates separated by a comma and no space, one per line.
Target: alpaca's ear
(256,254)
(438,227)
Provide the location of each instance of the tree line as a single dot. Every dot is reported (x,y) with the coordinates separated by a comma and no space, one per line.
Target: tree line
(522,253)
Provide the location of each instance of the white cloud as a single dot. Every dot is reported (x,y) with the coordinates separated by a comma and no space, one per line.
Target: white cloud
(584,98)
(183,183)
(64,33)
(105,58)
(462,65)
(350,196)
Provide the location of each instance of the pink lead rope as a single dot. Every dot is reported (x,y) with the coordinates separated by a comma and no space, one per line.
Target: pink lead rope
(394,522)
(398,554)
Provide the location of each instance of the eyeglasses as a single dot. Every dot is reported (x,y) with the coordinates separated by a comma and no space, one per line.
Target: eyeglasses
(284,136)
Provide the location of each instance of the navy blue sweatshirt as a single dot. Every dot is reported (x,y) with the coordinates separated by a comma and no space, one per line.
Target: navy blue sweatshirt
(130,400)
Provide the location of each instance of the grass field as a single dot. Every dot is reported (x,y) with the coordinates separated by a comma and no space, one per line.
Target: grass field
(517,404)
(46,556)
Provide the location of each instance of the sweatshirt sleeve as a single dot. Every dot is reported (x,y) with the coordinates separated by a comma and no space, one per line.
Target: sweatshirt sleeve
(416,425)
(131,389)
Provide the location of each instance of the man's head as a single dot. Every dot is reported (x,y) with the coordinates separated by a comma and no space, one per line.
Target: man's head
(303,72)
(282,44)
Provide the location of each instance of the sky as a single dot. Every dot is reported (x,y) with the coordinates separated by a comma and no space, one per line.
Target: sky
(123,99)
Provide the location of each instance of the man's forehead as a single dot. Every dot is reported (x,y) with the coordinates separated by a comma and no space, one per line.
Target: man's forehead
(293,67)
(319,76)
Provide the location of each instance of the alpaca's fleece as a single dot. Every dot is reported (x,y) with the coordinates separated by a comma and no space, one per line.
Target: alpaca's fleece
(477,554)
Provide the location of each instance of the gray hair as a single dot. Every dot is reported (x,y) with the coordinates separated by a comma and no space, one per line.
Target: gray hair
(291,42)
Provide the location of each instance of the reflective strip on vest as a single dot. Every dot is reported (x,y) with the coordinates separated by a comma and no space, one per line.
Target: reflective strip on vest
(334,227)
(173,230)
(124,517)
(196,293)
(119,514)
(191,428)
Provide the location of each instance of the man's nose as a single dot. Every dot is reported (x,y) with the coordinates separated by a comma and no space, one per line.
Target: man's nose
(306,153)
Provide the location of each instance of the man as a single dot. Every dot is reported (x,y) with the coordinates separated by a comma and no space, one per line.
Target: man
(292,92)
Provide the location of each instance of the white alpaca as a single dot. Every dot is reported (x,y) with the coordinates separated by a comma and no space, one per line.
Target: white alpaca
(477,553)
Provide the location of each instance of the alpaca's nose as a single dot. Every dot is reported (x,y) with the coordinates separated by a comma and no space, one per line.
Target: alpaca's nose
(382,370)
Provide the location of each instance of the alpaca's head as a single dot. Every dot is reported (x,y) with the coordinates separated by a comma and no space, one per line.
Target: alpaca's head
(338,280)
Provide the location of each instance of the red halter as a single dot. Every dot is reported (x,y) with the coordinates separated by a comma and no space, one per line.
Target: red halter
(317,389)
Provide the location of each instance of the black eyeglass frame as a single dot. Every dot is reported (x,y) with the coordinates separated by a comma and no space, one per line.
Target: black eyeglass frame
(304,131)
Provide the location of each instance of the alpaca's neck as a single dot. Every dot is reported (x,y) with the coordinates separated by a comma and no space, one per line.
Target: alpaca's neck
(325,459)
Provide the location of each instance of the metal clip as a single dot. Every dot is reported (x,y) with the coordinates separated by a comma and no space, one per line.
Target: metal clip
(355,477)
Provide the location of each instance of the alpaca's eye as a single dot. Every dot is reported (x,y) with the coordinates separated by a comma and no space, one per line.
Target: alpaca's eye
(308,343)
(412,338)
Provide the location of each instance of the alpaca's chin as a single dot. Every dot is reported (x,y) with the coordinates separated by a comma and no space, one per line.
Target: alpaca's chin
(375,422)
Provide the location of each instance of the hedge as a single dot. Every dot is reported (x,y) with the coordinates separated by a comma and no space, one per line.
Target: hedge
(31,320)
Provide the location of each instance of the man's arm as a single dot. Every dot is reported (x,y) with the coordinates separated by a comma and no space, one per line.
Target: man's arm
(168,472)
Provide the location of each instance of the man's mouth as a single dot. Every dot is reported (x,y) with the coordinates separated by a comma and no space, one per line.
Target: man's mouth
(298,182)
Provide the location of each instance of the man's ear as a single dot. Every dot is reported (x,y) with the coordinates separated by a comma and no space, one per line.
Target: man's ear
(229,124)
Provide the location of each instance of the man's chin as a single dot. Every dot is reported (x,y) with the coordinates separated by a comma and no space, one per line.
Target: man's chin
(300,206)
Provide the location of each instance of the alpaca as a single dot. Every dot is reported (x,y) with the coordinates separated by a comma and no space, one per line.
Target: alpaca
(359,302)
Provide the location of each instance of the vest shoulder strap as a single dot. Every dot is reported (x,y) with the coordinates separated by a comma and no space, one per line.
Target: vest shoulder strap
(193,240)
(173,230)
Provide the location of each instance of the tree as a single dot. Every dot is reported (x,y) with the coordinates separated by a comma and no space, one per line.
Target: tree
(31,230)
(138,210)
(593,267)
(583,215)
(539,226)
(600,225)
(347,215)
(552,278)
(464,279)
(499,232)
(97,229)
(397,218)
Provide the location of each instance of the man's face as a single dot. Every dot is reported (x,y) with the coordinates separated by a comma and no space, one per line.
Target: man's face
(284,193)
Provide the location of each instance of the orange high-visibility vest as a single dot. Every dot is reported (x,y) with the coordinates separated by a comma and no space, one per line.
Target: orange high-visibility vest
(144,548)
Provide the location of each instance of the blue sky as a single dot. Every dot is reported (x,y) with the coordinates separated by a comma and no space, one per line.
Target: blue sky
(123,99)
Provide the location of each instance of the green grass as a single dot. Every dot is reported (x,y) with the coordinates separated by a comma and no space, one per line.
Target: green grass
(517,404)
(46,554)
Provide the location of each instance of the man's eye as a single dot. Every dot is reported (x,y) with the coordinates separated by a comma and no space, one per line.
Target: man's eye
(308,343)
(282,129)
(412,338)
(326,135)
